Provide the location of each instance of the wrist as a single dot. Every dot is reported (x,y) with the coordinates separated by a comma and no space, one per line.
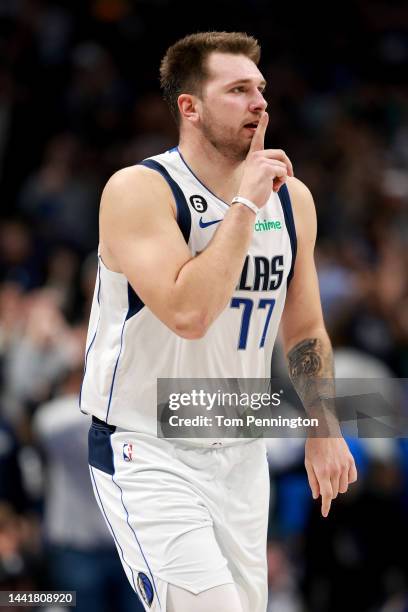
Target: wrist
(239,200)
(243,212)
(328,425)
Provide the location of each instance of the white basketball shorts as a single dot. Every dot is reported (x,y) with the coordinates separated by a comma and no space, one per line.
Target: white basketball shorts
(192,517)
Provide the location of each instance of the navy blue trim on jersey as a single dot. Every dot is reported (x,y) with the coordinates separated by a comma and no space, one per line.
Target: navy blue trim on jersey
(197,179)
(98,296)
(284,197)
(113,533)
(99,446)
(183,211)
(115,369)
(136,538)
(135,303)
(101,457)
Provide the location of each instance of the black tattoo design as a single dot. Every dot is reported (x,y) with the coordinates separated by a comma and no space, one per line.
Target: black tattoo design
(311,371)
(305,358)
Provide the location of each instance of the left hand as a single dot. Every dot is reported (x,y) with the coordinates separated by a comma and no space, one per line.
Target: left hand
(330,468)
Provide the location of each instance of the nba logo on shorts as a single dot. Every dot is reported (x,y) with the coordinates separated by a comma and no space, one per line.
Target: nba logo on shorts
(128,452)
(145,588)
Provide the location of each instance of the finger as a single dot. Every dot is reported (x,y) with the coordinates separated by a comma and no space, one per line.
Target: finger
(258,139)
(281,155)
(344,481)
(352,473)
(277,183)
(335,485)
(278,170)
(274,162)
(327,496)
(313,482)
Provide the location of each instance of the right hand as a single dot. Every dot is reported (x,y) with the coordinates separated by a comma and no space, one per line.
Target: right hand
(265,169)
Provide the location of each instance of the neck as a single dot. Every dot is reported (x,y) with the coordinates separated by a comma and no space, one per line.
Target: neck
(218,173)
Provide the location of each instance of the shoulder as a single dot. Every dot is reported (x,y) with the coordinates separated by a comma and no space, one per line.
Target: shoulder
(300,194)
(132,202)
(137,172)
(303,206)
(135,180)
(134,185)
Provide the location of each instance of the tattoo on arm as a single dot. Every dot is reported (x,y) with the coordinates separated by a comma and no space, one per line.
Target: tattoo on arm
(311,371)
(309,359)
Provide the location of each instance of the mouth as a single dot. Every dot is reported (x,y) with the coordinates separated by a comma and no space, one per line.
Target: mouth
(251,126)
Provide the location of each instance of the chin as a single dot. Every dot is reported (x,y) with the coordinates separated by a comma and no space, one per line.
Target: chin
(241,149)
(244,150)
(234,149)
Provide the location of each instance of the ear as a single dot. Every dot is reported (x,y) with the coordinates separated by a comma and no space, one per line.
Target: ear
(188,107)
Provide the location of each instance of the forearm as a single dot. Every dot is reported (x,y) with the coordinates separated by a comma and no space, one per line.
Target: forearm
(206,282)
(311,369)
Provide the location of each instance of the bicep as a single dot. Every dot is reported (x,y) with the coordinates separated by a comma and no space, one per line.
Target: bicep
(302,307)
(139,227)
(303,311)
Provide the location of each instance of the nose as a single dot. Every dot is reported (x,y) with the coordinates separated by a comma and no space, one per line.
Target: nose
(258,102)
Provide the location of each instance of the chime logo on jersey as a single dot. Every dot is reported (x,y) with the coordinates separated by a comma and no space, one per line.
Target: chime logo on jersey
(145,588)
(267,225)
(128,452)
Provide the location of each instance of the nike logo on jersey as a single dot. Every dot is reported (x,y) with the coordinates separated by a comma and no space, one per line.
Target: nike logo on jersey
(204,224)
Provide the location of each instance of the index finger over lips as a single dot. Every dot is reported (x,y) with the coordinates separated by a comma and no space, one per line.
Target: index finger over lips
(258,139)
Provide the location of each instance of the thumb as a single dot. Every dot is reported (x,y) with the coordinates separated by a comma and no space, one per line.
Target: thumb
(258,139)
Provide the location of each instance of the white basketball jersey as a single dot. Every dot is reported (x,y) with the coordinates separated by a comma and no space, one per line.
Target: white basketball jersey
(129,348)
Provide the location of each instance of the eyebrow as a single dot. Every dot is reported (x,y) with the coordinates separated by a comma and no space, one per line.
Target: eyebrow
(262,83)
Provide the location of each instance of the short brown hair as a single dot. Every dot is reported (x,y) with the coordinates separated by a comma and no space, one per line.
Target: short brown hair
(183,68)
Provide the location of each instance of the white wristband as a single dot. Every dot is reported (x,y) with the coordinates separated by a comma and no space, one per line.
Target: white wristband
(245,202)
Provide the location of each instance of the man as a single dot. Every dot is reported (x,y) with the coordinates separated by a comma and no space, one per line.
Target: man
(187,288)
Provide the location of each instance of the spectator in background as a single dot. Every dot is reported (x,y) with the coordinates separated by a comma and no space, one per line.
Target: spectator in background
(18,554)
(60,193)
(12,491)
(79,551)
(98,100)
(87,278)
(152,127)
(20,261)
(78,100)
(63,268)
(12,316)
(38,356)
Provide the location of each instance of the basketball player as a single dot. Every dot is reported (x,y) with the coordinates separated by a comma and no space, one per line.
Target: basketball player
(191,285)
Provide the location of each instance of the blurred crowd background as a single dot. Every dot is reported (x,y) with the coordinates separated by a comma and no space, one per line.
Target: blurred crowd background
(79,99)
